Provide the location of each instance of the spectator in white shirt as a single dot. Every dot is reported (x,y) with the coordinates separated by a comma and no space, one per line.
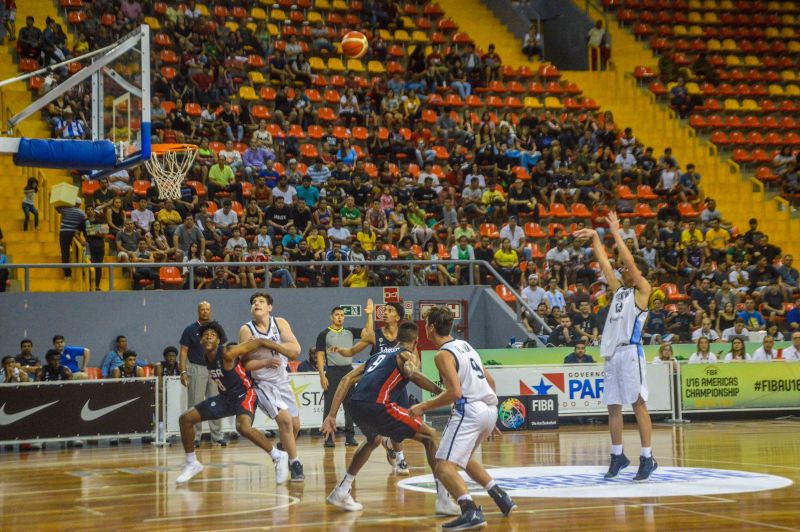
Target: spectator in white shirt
(737,352)
(142,216)
(338,233)
(705,331)
(226,218)
(738,329)
(560,253)
(284,190)
(766,351)
(626,160)
(793,351)
(516,235)
(232,157)
(738,278)
(533,294)
(236,240)
(703,355)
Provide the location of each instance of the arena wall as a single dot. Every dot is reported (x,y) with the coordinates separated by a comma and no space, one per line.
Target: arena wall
(153,320)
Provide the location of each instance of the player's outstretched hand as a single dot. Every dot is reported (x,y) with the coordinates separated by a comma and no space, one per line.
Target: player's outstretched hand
(328,427)
(416,410)
(370,306)
(585,233)
(613,221)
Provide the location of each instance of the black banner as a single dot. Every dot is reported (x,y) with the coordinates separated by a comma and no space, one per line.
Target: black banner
(542,412)
(76,409)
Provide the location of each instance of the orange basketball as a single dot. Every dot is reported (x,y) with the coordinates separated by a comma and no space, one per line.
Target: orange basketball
(354,44)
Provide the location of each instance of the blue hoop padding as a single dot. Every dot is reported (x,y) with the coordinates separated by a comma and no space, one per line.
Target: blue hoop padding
(67,154)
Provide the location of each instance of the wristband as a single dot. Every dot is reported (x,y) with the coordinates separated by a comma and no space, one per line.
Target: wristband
(184,372)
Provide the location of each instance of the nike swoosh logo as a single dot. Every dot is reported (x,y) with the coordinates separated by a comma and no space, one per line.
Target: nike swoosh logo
(87,414)
(8,419)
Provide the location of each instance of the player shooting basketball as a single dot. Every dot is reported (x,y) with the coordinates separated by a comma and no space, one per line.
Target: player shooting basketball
(621,347)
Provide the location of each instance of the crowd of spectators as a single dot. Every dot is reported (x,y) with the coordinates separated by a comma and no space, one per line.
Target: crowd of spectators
(402,170)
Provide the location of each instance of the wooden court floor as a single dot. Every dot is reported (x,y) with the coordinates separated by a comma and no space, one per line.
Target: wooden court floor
(132,487)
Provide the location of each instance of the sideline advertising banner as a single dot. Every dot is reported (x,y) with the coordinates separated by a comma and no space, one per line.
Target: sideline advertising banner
(578,387)
(307,392)
(740,386)
(77,409)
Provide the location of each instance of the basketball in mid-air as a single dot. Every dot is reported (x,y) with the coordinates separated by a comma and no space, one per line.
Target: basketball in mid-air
(354,44)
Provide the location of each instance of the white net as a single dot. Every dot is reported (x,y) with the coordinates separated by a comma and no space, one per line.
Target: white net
(169,167)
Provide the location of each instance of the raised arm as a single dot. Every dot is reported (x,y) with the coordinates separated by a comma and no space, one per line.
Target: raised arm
(408,368)
(627,258)
(600,255)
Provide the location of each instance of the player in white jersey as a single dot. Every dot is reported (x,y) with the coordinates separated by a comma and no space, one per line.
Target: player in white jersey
(268,368)
(621,347)
(471,391)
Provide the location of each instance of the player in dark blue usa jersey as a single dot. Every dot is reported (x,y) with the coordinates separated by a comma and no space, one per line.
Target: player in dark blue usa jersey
(378,339)
(379,384)
(237,397)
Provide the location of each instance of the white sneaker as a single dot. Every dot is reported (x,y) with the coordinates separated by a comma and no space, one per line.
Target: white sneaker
(344,501)
(282,468)
(188,472)
(446,506)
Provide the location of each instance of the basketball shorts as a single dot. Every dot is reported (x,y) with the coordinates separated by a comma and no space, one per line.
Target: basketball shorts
(384,419)
(468,426)
(626,377)
(222,405)
(274,397)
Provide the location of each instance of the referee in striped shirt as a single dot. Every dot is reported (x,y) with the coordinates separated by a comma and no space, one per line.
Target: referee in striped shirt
(73,221)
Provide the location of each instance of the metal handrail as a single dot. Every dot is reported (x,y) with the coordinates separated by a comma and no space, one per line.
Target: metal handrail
(340,264)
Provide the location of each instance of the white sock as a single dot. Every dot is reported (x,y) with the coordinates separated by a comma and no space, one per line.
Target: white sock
(441,491)
(400,456)
(490,485)
(647,452)
(616,449)
(346,483)
(275,454)
(191,458)
(466,497)
(293,460)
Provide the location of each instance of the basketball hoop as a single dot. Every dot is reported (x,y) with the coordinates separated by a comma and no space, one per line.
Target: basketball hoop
(169,164)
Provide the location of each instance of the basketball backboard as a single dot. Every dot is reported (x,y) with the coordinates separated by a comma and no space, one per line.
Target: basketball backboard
(109,127)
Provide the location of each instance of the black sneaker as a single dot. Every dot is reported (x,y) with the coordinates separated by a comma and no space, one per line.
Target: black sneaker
(329,442)
(279,445)
(618,463)
(350,441)
(296,469)
(233,436)
(502,500)
(470,519)
(221,443)
(646,468)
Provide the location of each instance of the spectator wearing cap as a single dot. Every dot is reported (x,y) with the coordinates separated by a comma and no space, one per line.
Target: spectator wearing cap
(293,173)
(73,222)
(69,127)
(533,294)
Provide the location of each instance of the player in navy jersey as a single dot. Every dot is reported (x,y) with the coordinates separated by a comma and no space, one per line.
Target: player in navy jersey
(379,384)
(237,397)
(378,339)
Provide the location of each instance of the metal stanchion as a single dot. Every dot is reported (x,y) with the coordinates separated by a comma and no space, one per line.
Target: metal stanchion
(677,400)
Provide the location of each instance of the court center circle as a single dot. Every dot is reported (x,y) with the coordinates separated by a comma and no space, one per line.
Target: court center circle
(587,482)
